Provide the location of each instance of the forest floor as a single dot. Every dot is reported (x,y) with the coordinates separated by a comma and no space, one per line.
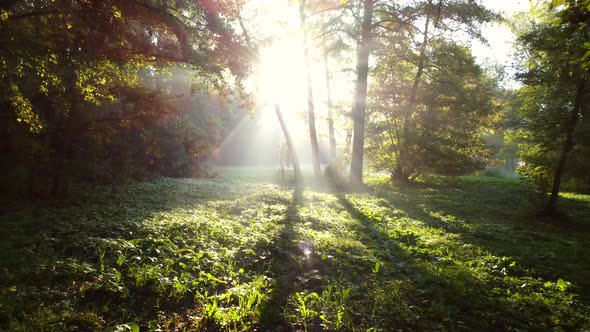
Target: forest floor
(243,253)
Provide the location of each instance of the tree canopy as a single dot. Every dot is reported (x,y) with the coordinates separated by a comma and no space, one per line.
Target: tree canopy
(104,91)
(88,90)
(552,142)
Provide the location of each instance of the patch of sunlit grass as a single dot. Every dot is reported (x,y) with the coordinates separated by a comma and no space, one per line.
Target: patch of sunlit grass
(224,254)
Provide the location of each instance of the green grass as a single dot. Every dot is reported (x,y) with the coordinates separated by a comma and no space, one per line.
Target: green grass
(237,254)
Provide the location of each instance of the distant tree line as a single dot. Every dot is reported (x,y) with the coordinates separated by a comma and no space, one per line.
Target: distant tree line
(426,107)
(103,91)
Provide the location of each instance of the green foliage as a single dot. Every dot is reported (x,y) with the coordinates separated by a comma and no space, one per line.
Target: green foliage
(444,133)
(430,101)
(553,68)
(131,327)
(85,91)
(539,177)
(235,256)
(24,110)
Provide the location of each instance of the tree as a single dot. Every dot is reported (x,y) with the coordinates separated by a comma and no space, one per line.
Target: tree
(390,22)
(329,106)
(360,94)
(290,147)
(430,99)
(74,81)
(443,134)
(555,74)
(313,139)
(331,32)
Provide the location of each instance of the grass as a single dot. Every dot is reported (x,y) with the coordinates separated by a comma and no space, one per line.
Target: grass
(240,254)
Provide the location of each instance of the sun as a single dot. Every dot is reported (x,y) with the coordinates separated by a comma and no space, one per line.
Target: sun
(281,74)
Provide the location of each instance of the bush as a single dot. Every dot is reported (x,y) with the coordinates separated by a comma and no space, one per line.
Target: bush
(539,177)
(498,172)
(335,173)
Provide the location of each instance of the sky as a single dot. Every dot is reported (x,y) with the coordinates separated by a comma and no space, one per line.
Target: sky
(281,79)
(499,36)
(499,50)
(285,59)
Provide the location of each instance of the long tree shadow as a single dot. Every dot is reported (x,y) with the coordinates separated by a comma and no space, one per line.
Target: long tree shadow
(481,214)
(439,290)
(286,267)
(104,214)
(124,230)
(394,283)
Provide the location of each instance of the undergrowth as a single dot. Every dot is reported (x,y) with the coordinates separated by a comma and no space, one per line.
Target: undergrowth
(224,254)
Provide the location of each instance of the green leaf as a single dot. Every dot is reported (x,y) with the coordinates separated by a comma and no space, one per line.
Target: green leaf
(120,260)
(562,285)
(377,266)
(129,327)
(555,3)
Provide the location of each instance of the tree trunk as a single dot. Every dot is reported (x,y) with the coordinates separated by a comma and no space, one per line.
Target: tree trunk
(313,139)
(333,151)
(59,141)
(296,167)
(568,145)
(63,139)
(401,172)
(63,151)
(360,97)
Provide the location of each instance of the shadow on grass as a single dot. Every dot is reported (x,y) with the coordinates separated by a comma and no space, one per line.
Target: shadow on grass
(285,268)
(54,252)
(443,294)
(411,290)
(497,217)
(437,289)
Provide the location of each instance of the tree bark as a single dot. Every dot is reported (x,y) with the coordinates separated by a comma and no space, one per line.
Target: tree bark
(313,139)
(62,142)
(296,166)
(331,132)
(360,97)
(401,173)
(568,146)
(7,4)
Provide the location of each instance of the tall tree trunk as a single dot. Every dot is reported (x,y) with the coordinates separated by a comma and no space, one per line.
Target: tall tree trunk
(568,146)
(401,173)
(313,139)
(63,137)
(294,159)
(360,97)
(333,151)
(63,149)
(32,176)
